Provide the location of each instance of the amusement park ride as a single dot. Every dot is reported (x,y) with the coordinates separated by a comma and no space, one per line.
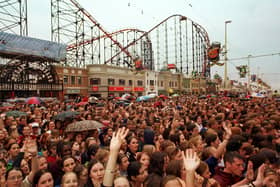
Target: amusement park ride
(176,42)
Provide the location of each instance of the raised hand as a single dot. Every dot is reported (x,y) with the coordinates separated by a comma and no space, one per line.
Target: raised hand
(30,146)
(191,160)
(227,128)
(117,139)
(250,171)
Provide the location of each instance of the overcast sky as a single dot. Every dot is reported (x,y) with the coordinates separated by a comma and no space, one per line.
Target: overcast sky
(254,30)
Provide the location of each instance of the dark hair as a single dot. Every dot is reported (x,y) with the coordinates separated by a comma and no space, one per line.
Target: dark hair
(79,168)
(157,163)
(133,169)
(10,145)
(174,168)
(209,138)
(38,175)
(120,157)
(9,170)
(65,158)
(230,156)
(91,164)
(60,146)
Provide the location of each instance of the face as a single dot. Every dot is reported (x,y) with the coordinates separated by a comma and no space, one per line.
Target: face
(14,179)
(145,160)
(24,167)
(51,125)
(68,165)
(66,150)
(79,138)
(237,166)
(206,174)
(83,176)
(26,131)
(70,180)
(97,172)
(271,181)
(43,164)
(2,169)
(121,182)
(76,146)
(142,174)
(46,180)
(182,138)
(14,150)
(124,163)
(133,145)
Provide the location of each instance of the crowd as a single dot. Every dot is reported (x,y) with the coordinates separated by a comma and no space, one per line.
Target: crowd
(184,141)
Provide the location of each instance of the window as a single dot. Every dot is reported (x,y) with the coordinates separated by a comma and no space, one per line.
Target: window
(161,83)
(111,81)
(94,81)
(139,83)
(152,82)
(79,80)
(121,82)
(65,79)
(73,79)
(130,82)
(176,84)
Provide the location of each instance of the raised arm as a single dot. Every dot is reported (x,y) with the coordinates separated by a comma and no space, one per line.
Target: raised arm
(31,148)
(191,162)
(220,150)
(116,141)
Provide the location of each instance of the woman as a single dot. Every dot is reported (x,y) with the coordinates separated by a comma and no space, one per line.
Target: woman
(3,166)
(14,177)
(13,151)
(43,178)
(172,181)
(68,164)
(132,148)
(95,173)
(176,168)
(82,174)
(69,179)
(144,159)
(136,174)
(42,163)
(123,163)
(158,164)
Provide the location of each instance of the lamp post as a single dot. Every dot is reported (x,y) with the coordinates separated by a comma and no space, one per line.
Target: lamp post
(249,76)
(225,73)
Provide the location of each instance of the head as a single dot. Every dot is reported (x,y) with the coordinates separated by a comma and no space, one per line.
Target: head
(13,150)
(121,182)
(203,170)
(96,171)
(158,163)
(144,159)
(3,166)
(123,162)
(82,174)
(43,178)
(132,144)
(234,163)
(172,181)
(176,168)
(63,149)
(42,163)
(68,164)
(69,179)
(271,178)
(136,172)
(14,177)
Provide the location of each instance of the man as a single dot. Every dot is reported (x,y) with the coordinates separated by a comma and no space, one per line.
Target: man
(231,175)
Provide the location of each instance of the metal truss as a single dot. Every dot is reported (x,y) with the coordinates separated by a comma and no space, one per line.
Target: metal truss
(13,16)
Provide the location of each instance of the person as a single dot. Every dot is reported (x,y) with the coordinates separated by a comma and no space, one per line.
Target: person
(68,164)
(132,142)
(82,174)
(172,181)
(123,163)
(136,174)
(14,177)
(144,158)
(43,178)
(69,179)
(95,174)
(231,174)
(3,166)
(121,182)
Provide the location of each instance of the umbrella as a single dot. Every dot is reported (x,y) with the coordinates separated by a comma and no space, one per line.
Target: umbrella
(85,125)
(82,103)
(33,100)
(66,115)
(15,113)
(175,95)
(143,98)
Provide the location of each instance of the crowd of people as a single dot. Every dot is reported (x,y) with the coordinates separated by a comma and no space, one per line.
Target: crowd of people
(184,141)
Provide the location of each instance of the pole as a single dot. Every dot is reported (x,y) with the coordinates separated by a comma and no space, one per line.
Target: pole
(249,77)
(225,73)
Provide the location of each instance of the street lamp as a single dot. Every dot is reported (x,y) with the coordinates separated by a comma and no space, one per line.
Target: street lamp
(249,76)
(225,73)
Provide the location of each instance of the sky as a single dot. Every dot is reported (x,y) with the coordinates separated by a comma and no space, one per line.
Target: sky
(254,29)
